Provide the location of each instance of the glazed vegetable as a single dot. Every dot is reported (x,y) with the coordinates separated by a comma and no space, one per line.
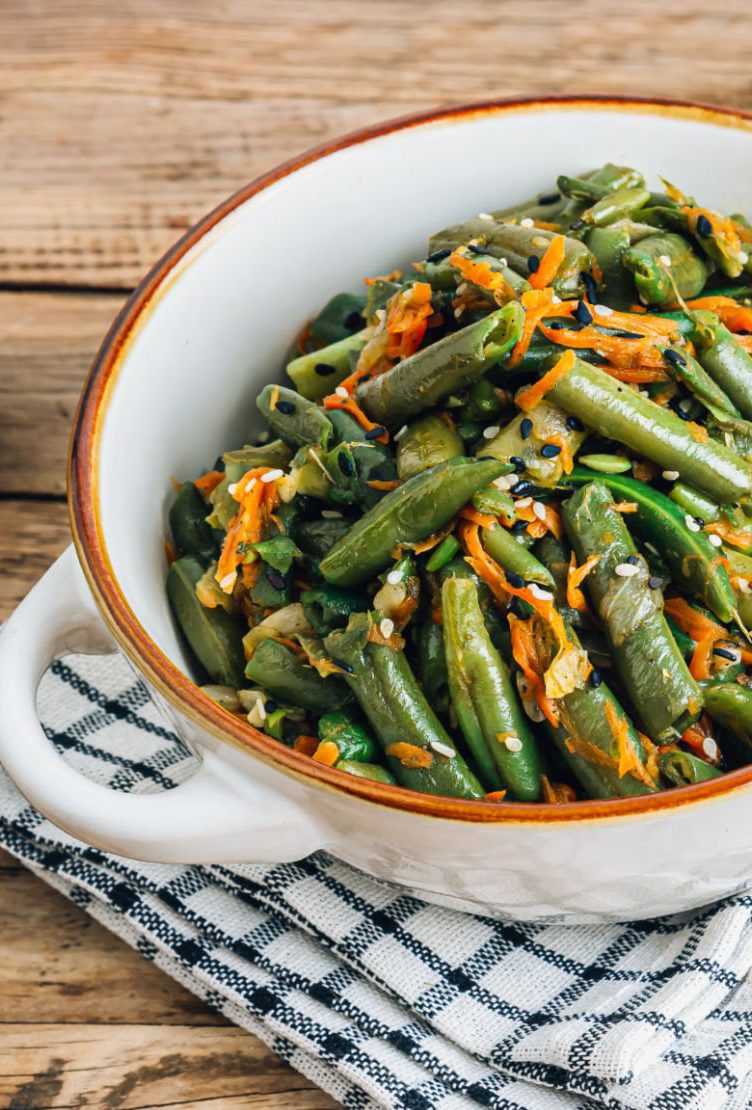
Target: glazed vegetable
(495,540)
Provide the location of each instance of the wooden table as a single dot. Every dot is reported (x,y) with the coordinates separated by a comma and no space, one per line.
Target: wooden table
(120,124)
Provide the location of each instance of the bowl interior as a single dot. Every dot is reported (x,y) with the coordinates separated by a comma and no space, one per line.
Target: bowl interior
(219,326)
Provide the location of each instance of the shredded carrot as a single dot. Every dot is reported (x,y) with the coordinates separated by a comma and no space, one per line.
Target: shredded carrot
(565,455)
(274,398)
(723,227)
(575,577)
(526,657)
(629,759)
(394,276)
(549,265)
(376,636)
(699,665)
(636,320)
(410,755)
(208,482)
(483,520)
(529,398)
(349,404)
(327,753)
(556,793)
(495,796)
(695,624)
(437,616)
(537,304)
(698,433)
(696,735)
(481,274)
(736,537)
(545,225)
(306,744)
(407,319)
(538,527)
(637,375)
(623,506)
(246,527)
(378,483)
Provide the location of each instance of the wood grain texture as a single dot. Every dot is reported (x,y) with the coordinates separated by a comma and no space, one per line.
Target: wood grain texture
(132,119)
(32,535)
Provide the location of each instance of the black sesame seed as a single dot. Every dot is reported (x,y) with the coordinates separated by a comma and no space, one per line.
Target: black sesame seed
(474,248)
(353,320)
(276,581)
(704,226)
(439,256)
(633,560)
(724,654)
(583,313)
(533,263)
(375,433)
(287,408)
(596,678)
(674,357)
(519,526)
(345,464)
(561,325)
(521,488)
(343,666)
(591,289)
(270,706)
(654,582)
(550,450)
(549,198)
(700,521)
(515,580)
(577,225)
(619,334)
(518,463)
(574,424)
(526,428)
(323,369)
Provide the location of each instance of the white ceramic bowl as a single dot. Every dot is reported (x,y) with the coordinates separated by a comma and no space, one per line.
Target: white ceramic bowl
(175,383)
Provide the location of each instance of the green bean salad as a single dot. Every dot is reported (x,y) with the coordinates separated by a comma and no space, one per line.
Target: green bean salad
(496,542)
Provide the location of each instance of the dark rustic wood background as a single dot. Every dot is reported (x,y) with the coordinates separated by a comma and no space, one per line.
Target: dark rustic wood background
(120,124)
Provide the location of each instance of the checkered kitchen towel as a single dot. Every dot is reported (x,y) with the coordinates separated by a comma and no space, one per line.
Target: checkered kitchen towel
(383,1000)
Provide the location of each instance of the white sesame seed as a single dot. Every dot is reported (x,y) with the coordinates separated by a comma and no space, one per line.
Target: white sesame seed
(643,393)
(485,216)
(401,432)
(394,577)
(555,299)
(505,481)
(743,258)
(331,514)
(380,315)
(670,475)
(271,476)
(523,502)
(745,585)
(626,570)
(709,747)
(442,749)
(458,311)
(228,581)
(603,310)
(716,541)
(503,263)
(342,392)
(386,628)
(231,488)
(462,288)
(541,594)
(664,258)
(539,510)
(691,523)
(263,437)
(491,431)
(513,744)
(520,538)
(527,222)
(249,485)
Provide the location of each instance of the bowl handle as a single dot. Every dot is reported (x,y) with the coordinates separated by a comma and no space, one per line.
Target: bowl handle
(217,816)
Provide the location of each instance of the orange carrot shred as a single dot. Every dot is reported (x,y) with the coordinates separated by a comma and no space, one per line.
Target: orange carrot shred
(349,404)
(575,577)
(495,796)
(529,398)
(208,482)
(327,752)
(410,755)
(549,265)
(306,744)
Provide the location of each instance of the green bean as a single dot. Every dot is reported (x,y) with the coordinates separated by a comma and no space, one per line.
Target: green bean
(655,676)
(503,548)
(442,554)
(725,360)
(527,433)
(730,706)
(353,741)
(614,410)
(608,245)
(592,186)
(416,510)
(683,769)
(606,464)
(683,366)
(316,537)
(694,503)
(355,462)
(664,264)
(420,752)
(294,419)
(190,532)
(213,634)
(427,441)
(373,771)
(691,557)
(328,607)
(274,454)
(495,502)
(431,662)
(286,677)
(616,206)
(316,374)
(484,700)
(452,363)
(341,316)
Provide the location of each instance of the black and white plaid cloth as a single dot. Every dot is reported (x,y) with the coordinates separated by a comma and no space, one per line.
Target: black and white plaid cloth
(383,1000)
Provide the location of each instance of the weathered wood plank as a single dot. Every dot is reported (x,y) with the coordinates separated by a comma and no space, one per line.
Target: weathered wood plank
(123,123)
(32,535)
(47,342)
(43,1067)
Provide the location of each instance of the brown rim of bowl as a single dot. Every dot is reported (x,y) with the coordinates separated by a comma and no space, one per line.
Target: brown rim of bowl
(165,676)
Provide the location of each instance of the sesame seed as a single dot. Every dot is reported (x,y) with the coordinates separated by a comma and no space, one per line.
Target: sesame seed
(515,580)
(476,247)
(664,258)
(323,369)
(710,748)
(596,678)
(513,743)
(603,310)
(401,432)
(342,392)
(485,216)
(716,541)
(249,485)
(458,311)
(633,560)
(442,749)
(583,314)
(574,424)
(524,502)
(526,427)
(527,222)
(520,538)
(704,226)
(743,258)
(626,570)
(394,577)
(541,594)
(724,653)
(272,476)
(539,510)
(231,488)
(375,433)
(533,263)
(549,198)
(503,263)
(491,431)
(386,627)
(504,482)
(654,582)
(331,514)
(550,450)
(519,526)
(520,487)
(346,465)
(670,475)
(228,581)
(439,256)
(691,523)
(555,299)
(462,288)
(287,408)
(518,463)
(674,357)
